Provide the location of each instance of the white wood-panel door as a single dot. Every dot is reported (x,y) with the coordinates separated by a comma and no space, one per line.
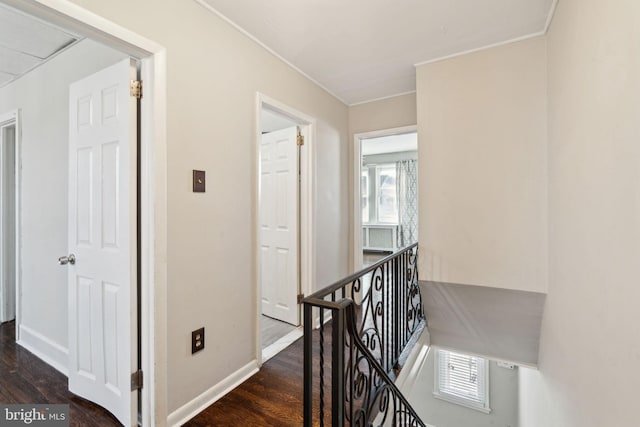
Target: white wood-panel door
(279,225)
(102,236)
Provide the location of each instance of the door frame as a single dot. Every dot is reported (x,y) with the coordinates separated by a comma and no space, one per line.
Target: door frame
(356,255)
(12,118)
(152,181)
(306,228)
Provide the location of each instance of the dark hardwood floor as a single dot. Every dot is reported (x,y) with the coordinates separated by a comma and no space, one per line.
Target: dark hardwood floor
(272,397)
(24,378)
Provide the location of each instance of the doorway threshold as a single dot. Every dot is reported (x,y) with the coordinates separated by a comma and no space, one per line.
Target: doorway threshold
(281,344)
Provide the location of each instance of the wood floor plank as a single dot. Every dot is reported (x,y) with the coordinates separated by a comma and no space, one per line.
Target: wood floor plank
(24,378)
(271,397)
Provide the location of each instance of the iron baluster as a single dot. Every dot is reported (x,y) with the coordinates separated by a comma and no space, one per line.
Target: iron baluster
(374,315)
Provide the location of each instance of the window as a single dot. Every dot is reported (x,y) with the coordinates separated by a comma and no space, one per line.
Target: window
(379,194)
(364,188)
(462,379)
(387,198)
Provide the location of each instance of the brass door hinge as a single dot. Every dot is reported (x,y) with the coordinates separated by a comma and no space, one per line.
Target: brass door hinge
(135,88)
(299,137)
(136,380)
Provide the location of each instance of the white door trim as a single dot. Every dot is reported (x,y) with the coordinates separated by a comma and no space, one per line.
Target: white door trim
(356,258)
(8,119)
(153,176)
(306,230)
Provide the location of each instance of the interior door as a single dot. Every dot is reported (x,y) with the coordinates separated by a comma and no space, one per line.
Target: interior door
(102,240)
(279,224)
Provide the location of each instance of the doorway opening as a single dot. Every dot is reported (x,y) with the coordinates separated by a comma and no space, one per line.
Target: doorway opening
(8,199)
(284,141)
(77,197)
(48,340)
(386,194)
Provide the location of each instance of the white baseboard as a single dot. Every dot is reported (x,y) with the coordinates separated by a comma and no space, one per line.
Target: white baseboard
(44,348)
(197,405)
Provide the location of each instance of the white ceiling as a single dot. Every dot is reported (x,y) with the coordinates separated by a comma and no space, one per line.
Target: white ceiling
(361,50)
(390,144)
(270,121)
(26,42)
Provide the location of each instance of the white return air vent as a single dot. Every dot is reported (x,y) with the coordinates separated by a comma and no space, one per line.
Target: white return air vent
(380,237)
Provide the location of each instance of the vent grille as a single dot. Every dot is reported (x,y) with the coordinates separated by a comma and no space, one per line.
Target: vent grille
(380,237)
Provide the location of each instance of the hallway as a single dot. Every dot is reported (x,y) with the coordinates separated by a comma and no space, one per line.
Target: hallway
(272,397)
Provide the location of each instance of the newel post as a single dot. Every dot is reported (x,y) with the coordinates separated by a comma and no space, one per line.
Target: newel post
(337,367)
(308,366)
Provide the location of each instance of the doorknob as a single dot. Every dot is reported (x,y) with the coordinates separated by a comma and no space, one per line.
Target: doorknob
(64,260)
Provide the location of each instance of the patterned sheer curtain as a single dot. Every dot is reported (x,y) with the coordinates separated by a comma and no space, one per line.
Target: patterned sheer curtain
(407,191)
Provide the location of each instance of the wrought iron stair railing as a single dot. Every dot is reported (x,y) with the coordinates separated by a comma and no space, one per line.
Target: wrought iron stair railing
(364,323)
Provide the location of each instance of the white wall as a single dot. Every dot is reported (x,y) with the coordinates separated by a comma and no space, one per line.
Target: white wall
(590,343)
(535,403)
(482,153)
(214,73)
(503,400)
(43,98)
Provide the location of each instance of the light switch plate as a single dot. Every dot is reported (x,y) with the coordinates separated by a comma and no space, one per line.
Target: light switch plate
(198,181)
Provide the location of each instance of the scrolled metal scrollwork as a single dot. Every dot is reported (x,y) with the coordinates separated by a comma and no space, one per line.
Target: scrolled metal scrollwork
(384,312)
(375,400)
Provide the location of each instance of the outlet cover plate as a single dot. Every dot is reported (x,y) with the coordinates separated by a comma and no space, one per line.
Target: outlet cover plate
(197,340)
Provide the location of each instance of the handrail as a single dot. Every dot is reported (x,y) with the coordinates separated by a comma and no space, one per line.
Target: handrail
(319,295)
(384,308)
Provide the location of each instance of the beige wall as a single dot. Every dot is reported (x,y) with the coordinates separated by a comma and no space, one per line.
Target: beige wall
(213,75)
(389,113)
(482,152)
(590,342)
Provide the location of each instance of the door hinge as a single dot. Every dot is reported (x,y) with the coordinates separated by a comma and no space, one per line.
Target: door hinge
(136,380)
(300,140)
(300,298)
(136,88)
